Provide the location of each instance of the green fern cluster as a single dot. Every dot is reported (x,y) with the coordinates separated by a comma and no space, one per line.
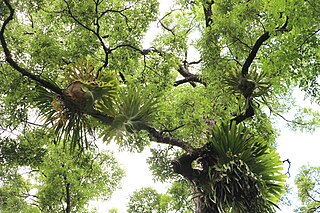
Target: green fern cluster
(133,112)
(248,174)
(254,84)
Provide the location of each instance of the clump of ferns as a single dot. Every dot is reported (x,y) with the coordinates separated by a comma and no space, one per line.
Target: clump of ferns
(134,111)
(85,94)
(247,173)
(253,87)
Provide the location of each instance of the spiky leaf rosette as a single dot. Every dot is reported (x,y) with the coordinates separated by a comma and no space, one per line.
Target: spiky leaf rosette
(134,110)
(254,84)
(248,174)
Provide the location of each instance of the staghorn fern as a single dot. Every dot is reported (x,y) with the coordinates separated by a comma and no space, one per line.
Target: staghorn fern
(254,84)
(69,113)
(133,113)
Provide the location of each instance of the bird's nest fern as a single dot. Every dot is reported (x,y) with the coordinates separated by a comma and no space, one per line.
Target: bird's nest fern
(247,176)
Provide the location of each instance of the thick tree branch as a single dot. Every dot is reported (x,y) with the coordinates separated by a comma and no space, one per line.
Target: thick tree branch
(160,138)
(257,45)
(193,78)
(188,77)
(203,156)
(253,53)
(101,117)
(14,65)
(207,10)
(247,114)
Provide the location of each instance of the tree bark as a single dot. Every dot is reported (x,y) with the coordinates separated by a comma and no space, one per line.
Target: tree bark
(68,198)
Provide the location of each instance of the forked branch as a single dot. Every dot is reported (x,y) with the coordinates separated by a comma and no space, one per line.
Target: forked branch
(16,66)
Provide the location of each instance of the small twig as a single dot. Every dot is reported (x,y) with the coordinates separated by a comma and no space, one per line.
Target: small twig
(289,166)
(171,130)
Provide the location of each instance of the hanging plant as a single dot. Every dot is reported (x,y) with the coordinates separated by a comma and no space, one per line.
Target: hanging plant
(254,84)
(69,113)
(133,112)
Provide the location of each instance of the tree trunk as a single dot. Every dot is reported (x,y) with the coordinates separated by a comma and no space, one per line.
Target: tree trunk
(201,206)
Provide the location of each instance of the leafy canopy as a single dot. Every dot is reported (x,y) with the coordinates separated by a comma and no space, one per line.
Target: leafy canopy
(207,87)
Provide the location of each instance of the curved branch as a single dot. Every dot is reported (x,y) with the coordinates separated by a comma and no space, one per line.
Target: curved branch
(14,64)
(105,48)
(265,36)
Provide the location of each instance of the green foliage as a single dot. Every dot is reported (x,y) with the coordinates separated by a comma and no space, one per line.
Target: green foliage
(308,183)
(62,169)
(47,38)
(145,200)
(113,210)
(160,163)
(13,191)
(177,199)
(37,181)
(248,173)
(133,112)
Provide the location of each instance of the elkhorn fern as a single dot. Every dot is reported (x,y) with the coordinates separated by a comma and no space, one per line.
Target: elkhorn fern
(68,113)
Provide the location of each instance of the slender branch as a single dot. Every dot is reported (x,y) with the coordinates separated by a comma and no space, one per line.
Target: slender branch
(312,198)
(96,33)
(171,130)
(68,198)
(14,65)
(164,26)
(311,35)
(287,120)
(195,62)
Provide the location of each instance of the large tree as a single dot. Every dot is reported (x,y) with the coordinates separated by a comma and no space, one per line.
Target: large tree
(206,89)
